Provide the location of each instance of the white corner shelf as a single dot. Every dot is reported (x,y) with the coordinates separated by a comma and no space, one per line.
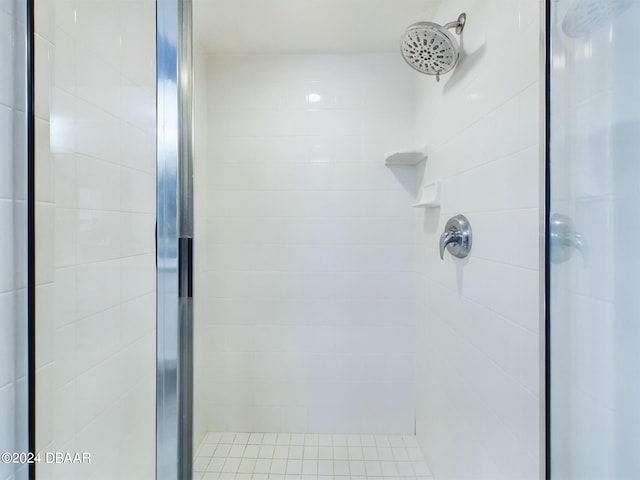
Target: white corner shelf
(407,157)
(430,196)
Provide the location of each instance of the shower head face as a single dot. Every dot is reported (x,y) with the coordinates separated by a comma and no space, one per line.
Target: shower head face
(584,16)
(429,48)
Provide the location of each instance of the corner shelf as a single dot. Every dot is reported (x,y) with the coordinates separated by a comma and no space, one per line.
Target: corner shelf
(430,196)
(407,157)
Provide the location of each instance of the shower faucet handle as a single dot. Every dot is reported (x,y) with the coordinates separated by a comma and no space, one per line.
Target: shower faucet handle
(564,239)
(456,237)
(448,238)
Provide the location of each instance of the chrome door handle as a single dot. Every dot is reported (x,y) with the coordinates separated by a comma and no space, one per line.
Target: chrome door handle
(456,237)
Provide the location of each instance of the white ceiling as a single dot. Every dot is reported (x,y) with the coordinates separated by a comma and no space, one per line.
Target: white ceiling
(307,26)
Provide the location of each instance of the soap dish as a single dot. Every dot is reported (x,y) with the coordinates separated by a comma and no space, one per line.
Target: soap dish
(408,157)
(430,196)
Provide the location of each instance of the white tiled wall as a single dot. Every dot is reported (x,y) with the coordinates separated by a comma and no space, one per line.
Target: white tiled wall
(477,330)
(45,224)
(200,342)
(95,187)
(306,289)
(13,305)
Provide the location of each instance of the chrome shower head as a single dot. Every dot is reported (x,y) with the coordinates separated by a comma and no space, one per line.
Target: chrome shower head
(429,48)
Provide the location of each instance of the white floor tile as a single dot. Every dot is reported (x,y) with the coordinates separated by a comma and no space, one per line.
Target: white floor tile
(405,469)
(325,467)
(310,467)
(281,451)
(355,453)
(368,440)
(227,437)
(310,453)
(213,437)
(410,441)
(294,467)
(389,469)
(373,468)
(247,465)
(237,451)
(200,464)
(385,454)
(296,452)
(263,465)
(251,451)
(266,451)
(396,441)
(216,465)
(311,439)
(356,468)
(296,456)
(370,453)
(231,465)
(222,451)
(400,454)
(269,439)
(325,453)
(382,441)
(340,453)
(340,467)
(206,450)
(340,440)
(278,466)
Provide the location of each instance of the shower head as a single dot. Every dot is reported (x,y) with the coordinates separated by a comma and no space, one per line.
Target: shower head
(430,48)
(584,16)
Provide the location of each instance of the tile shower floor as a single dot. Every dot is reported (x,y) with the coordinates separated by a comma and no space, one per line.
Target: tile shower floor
(291,456)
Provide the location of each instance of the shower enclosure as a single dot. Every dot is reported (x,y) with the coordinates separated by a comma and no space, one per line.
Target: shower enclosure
(330,337)
(235,217)
(327,335)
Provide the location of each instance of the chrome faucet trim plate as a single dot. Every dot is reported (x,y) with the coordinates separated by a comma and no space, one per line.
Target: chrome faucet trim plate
(456,237)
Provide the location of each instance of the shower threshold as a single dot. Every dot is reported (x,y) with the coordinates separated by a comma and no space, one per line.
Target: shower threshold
(297,456)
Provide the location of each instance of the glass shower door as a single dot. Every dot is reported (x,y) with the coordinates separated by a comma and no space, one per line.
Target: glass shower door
(594,302)
(95,248)
(15,293)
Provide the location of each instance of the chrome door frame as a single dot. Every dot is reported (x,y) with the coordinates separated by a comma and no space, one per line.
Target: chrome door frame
(174,239)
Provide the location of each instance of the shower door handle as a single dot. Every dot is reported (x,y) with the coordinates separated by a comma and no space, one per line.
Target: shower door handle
(456,237)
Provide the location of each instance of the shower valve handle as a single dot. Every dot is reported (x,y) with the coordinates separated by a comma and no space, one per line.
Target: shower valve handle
(564,239)
(448,238)
(456,237)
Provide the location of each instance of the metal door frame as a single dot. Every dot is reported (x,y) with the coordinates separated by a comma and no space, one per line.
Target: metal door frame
(174,239)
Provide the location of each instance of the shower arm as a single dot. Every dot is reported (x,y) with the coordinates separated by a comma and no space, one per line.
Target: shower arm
(458,24)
